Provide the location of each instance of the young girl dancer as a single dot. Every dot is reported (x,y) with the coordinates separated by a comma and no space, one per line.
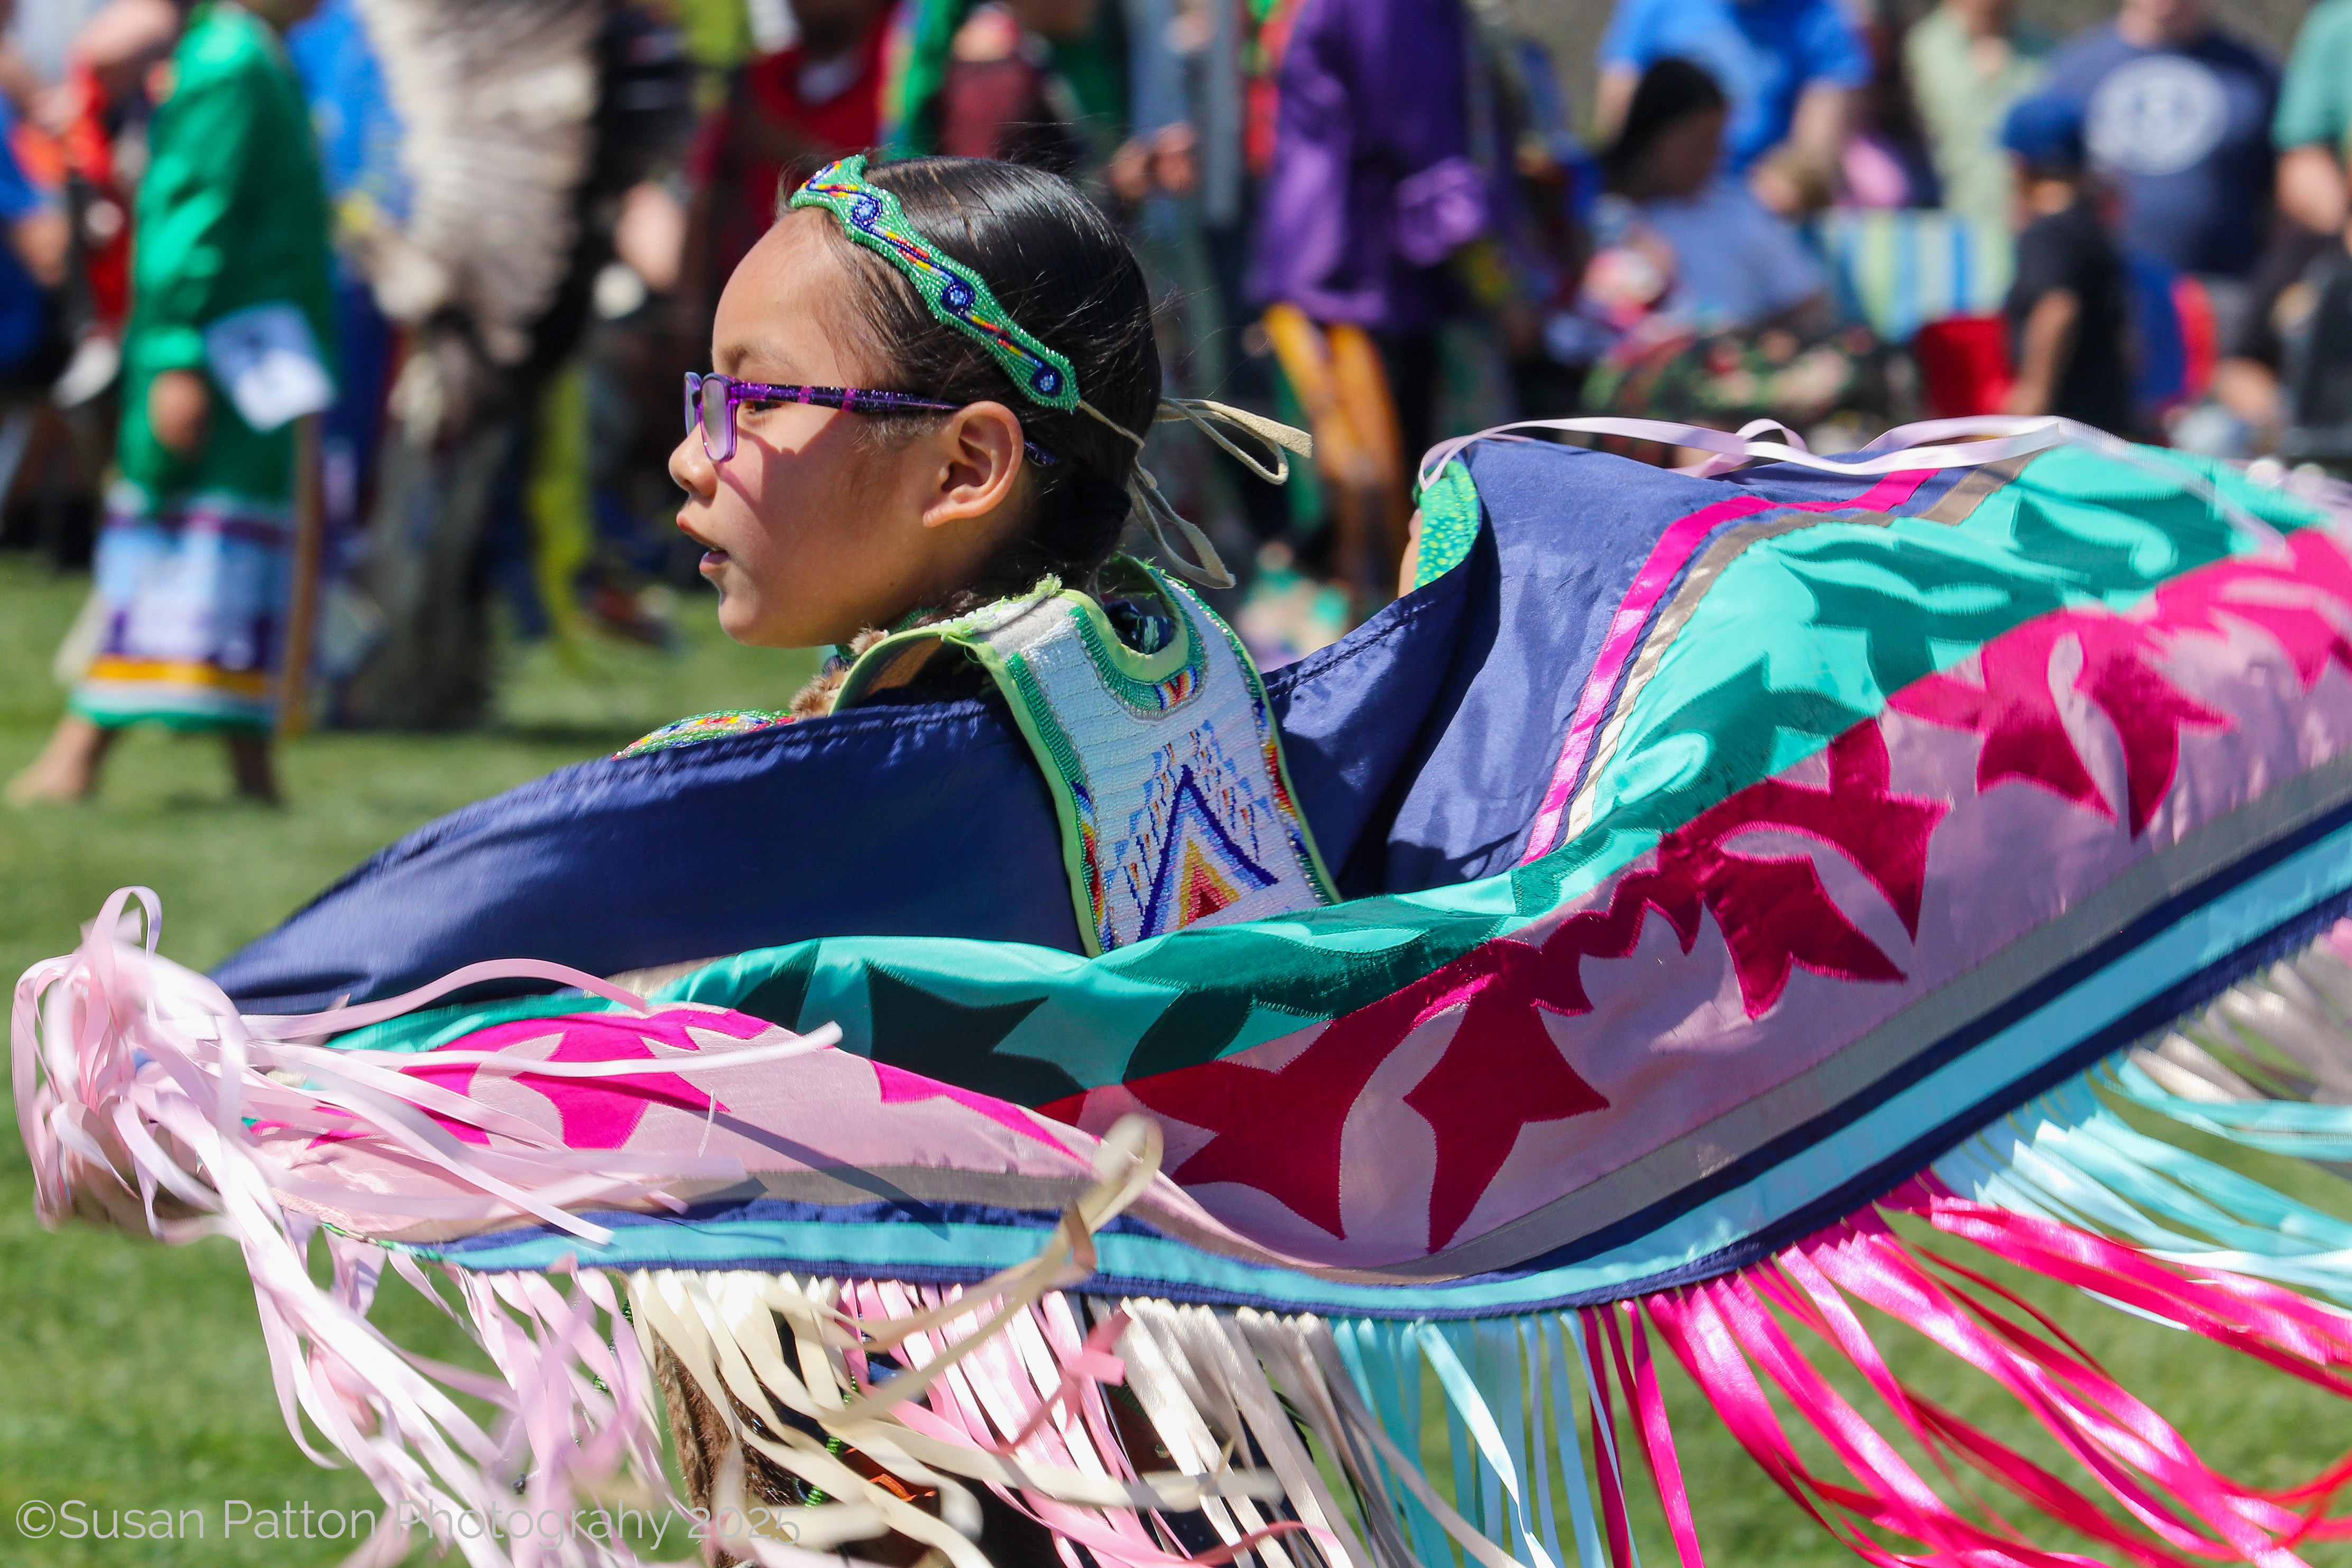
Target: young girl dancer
(923,435)
(933,385)
(932,390)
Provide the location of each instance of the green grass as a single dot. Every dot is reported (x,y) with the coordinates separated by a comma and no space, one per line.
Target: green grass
(131,1376)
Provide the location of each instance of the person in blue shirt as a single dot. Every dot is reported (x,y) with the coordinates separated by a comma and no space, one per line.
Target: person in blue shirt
(2177,117)
(1791,69)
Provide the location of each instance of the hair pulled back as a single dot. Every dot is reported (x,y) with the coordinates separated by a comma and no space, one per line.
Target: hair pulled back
(1669,91)
(1063,271)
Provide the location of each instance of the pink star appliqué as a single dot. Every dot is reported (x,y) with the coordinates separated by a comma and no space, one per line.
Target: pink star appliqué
(596,1112)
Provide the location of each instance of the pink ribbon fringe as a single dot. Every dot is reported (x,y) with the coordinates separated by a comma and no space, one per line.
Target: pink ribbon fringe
(140,1091)
(146,1100)
(2174,1508)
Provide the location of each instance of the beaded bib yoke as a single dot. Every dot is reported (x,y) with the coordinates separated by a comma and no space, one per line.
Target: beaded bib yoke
(1165,766)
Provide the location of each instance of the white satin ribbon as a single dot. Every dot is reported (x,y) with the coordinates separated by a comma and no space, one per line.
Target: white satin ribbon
(1990,439)
(1986,438)
(1205,565)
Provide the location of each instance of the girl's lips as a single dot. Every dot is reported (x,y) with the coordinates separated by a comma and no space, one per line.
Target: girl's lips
(713,557)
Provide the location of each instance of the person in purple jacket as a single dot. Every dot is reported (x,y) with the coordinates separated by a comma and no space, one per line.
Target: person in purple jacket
(1371,186)
(1371,192)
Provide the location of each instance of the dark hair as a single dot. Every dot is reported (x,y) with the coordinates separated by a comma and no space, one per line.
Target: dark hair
(1063,271)
(1671,91)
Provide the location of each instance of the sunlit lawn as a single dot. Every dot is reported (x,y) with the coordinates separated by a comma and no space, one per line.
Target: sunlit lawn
(132,1376)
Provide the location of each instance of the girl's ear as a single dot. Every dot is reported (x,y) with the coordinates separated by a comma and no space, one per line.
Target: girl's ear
(978,454)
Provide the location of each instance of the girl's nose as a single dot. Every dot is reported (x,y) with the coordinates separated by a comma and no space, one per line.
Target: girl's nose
(692,469)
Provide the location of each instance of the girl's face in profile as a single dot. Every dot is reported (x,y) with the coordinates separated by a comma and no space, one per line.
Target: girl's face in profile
(809,532)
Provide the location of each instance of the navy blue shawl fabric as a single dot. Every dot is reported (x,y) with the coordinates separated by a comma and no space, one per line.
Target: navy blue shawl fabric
(1419,747)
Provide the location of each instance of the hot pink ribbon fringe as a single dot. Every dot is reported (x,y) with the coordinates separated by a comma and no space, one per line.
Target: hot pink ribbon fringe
(2175,1509)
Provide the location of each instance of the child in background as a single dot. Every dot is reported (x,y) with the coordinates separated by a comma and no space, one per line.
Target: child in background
(191,567)
(1732,265)
(1699,305)
(2066,310)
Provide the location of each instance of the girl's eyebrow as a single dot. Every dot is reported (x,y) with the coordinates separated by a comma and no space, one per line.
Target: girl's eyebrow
(753,361)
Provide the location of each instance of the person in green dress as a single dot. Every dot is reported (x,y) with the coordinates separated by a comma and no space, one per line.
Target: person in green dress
(225,346)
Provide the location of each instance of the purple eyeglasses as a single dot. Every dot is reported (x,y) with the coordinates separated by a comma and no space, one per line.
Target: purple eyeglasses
(711,401)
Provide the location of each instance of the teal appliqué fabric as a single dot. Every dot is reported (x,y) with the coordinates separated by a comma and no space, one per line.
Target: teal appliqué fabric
(1735,698)
(1450,517)
(1743,691)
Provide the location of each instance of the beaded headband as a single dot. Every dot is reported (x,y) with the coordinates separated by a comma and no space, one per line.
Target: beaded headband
(956,294)
(960,298)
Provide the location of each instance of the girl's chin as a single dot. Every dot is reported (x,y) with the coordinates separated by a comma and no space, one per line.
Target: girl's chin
(740,620)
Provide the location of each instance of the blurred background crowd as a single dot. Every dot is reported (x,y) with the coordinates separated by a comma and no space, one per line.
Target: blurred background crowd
(1390,220)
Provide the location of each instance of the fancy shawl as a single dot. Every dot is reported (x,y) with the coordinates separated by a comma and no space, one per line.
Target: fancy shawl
(1730,866)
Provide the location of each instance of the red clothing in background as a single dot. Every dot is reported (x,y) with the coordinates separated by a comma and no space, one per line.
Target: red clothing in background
(784,118)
